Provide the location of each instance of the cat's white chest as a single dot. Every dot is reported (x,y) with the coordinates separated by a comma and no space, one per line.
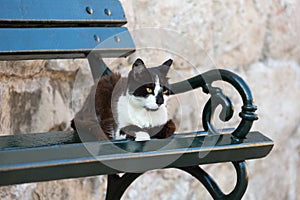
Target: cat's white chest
(131,115)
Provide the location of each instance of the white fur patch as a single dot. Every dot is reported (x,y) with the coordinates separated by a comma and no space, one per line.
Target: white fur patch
(157,87)
(131,114)
(149,102)
(140,111)
(142,136)
(118,136)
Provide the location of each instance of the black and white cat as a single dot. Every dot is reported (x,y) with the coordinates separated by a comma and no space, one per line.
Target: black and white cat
(132,107)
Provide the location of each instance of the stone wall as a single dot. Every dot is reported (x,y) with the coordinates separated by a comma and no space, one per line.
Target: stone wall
(256,39)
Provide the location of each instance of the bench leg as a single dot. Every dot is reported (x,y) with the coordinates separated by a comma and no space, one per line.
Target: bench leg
(213,188)
(116,186)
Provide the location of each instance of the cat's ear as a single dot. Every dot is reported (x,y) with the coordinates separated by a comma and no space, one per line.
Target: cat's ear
(138,62)
(168,63)
(166,66)
(139,69)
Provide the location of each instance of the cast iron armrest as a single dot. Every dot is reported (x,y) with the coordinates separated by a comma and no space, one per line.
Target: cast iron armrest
(205,81)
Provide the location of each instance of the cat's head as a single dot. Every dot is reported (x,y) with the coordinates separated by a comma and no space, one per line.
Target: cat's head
(148,88)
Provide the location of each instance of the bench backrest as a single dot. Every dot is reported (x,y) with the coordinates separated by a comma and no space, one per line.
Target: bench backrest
(35,29)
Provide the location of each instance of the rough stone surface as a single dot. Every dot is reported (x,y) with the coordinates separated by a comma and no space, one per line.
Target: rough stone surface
(256,39)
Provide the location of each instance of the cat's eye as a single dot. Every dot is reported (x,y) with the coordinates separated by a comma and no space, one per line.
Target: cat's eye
(149,90)
(165,91)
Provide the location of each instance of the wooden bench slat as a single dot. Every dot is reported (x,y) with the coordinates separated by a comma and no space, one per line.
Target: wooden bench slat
(38,139)
(37,13)
(60,161)
(38,43)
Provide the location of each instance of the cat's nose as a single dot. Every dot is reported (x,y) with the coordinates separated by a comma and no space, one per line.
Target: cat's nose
(159,101)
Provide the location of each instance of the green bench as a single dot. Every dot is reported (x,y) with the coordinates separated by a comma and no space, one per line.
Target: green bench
(76,29)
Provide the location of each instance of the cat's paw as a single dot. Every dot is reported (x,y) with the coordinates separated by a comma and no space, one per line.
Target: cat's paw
(120,137)
(142,136)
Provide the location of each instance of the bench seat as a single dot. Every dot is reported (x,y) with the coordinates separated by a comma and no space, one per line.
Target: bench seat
(60,155)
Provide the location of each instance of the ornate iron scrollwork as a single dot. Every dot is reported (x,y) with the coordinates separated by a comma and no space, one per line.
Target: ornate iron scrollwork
(116,185)
(205,81)
(212,187)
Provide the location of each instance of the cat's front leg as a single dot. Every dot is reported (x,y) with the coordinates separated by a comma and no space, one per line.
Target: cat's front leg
(164,131)
(135,132)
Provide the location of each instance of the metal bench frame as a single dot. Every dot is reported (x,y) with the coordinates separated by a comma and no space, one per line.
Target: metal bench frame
(59,155)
